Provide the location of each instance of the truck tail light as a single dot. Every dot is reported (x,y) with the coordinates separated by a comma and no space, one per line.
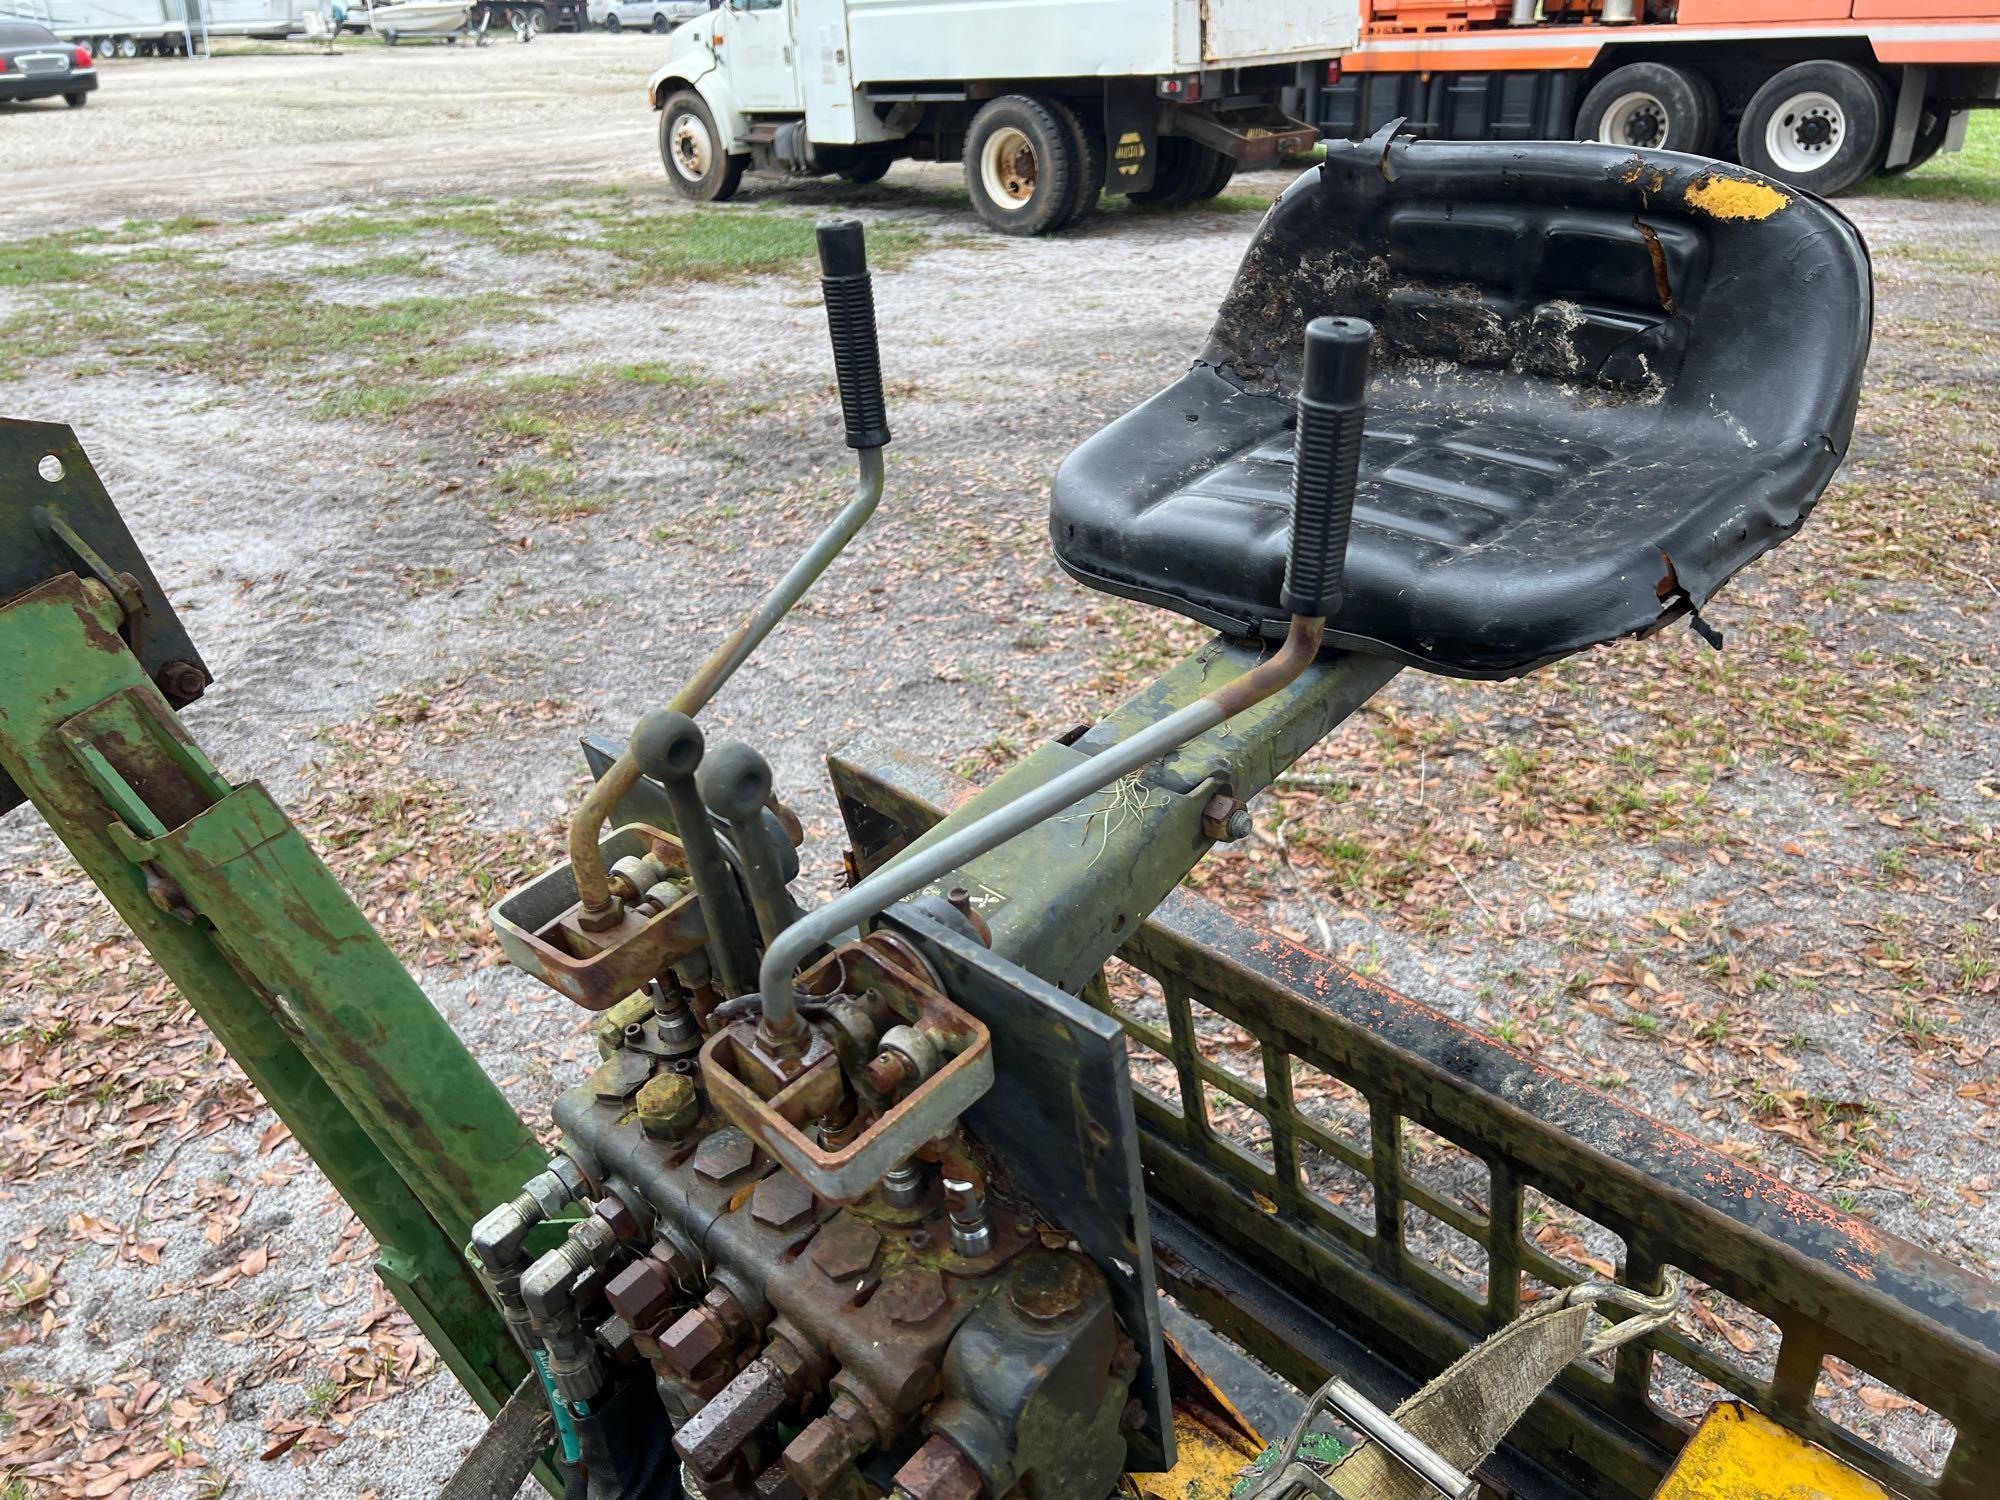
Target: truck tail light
(1185,89)
(3,64)
(1333,71)
(82,58)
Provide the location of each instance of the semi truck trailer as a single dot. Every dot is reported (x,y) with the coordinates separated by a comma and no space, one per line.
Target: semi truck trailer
(1047,105)
(1819,93)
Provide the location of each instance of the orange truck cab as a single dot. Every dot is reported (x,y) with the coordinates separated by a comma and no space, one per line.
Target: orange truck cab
(1820,93)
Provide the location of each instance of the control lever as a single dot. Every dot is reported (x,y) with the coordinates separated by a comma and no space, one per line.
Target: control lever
(857,362)
(1331,403)
(736,783)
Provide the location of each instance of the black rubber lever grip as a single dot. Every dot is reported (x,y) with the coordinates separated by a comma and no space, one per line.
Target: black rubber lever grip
(850,318)
(1333,401)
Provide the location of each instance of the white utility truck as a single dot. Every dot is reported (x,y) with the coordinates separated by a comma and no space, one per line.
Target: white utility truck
(1047,102)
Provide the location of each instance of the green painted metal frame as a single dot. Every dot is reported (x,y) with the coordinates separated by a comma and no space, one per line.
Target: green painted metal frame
(274,956)
(1243,1241)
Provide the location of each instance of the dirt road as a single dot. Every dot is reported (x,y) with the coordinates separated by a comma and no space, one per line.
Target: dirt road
(452,435)
(270,129)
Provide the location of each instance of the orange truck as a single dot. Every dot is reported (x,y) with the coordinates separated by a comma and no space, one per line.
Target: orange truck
(1820,93)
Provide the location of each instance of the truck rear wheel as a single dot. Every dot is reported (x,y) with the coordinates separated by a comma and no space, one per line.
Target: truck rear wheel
(1020,166)
(1652,106)
(1086,139)
(1821,126)
(694,152)
(1185,172)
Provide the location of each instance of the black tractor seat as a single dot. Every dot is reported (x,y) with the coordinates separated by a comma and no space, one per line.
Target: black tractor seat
(1603,381)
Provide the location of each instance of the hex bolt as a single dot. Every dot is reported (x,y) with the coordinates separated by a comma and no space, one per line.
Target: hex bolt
(669,1106)
(714,1436)
(182,681)
(618,1216)
(1225,820)
(939,1471)
(1047,1286)
(971,1236)
(641,1294)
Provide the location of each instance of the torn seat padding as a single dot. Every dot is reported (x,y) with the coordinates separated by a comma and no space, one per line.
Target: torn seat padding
(1604,381)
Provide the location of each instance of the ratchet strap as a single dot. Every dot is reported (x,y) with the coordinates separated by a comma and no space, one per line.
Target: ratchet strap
(1434,1440)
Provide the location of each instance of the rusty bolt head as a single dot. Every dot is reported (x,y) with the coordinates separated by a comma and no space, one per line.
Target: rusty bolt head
(695,1338)
(781,1201)
(913,1297)
(182,681)
(668,1106)
(1225,819)
(620,1076)
(1046,1286)
(846,1248)
(641,1294)
(819,1457)
(776,1484)
(725,1309)
(724,1154)
(939,1471)
(618,1216)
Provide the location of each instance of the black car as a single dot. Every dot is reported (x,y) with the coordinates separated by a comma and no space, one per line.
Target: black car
(35,63)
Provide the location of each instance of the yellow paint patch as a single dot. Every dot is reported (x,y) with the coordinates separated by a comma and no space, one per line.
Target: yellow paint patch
(1740,1454)
(1732,198)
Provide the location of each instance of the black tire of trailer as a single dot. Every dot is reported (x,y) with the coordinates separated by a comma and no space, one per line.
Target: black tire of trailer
(1086,139)
(1020,166)
(1654,105)
(1821,126)
(722,174)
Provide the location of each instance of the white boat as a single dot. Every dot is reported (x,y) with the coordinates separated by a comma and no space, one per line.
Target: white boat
(418,18)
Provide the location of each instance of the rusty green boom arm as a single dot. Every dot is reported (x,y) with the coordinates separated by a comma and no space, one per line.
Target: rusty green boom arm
(233,904)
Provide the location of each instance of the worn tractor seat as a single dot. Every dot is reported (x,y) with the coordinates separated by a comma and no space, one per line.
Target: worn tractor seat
(1603,381)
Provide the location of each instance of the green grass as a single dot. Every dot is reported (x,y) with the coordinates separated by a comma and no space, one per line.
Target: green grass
(1971,173)
(256,328)
(53,258)
(724,244)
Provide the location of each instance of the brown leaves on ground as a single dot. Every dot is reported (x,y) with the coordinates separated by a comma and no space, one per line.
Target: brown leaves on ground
(104,1066)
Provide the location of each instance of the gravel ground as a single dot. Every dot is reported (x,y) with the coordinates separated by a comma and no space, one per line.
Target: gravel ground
(422,553)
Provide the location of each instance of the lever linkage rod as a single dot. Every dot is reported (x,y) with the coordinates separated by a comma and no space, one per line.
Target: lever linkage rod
(857,363)
(1327,456)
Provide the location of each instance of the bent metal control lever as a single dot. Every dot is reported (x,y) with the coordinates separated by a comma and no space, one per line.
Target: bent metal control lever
(857,363)
(1331,405)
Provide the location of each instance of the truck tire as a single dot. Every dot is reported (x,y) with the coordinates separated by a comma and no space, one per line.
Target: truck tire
(1020,166)
(1086,139)
(661,25)
(1185,172)
(872,167)
(1221,169)
(76,101)
(1821,126)
(611,22)
(1653,106)
(694,153)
